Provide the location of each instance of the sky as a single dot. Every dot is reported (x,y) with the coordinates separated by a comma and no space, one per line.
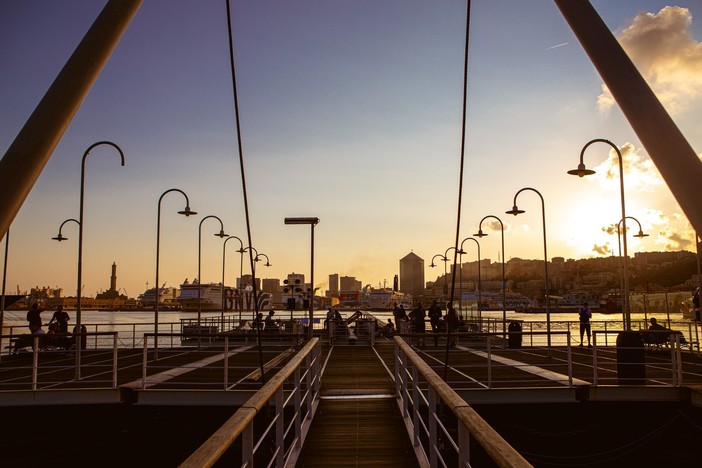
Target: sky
(350,111)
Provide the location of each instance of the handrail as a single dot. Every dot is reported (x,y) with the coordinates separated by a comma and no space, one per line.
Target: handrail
(496,447)
(218,443)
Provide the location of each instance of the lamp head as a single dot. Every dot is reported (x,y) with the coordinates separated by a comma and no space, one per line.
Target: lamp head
(60,237)
(641,234)
(480,233)
(312,221)
(460,251)
(581,171)
(432,265)
(187,211)
(221,234)
(515,211)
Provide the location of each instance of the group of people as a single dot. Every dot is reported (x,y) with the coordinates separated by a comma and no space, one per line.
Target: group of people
(57,328)
(269,325)
(57,325)
(438,322)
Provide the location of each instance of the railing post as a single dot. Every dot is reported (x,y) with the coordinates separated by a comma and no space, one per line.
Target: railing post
(144,359)
(677,360)
(594,354)
(279,427)
(298,402)
(570,360)
(226,362)
(415,406)
(35,361)
(404,385)
(247,446)
(463,445)
(489,361)
(115,358)
(433,438)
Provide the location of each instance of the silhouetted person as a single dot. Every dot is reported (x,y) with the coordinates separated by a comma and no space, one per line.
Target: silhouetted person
(61,317)
(418,323)
(34,318)
(585,315)
(434,313)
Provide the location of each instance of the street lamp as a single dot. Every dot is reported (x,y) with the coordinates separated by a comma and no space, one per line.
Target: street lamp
(185,212)
(241,270)
(312,222)
(515,211)
(640,235)
(220,234)
(582,171)
(444,259)
(481,234)
(268,262)
(460,253)
(80,244)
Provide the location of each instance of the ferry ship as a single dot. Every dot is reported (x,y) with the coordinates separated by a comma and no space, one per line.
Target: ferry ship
(167,297)
(210,296)
(385,299)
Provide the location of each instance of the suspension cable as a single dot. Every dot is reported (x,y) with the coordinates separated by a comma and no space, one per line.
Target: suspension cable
(243,187)
(460,184)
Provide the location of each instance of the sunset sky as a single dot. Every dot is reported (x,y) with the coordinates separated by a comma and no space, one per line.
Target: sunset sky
(351,112)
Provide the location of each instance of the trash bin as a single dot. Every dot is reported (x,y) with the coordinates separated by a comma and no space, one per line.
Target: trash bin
(514,335)
(631,358)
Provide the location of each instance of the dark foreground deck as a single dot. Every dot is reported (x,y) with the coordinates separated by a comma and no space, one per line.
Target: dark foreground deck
(112,416)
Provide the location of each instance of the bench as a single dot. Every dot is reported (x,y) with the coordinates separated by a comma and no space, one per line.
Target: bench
(662,337)
(46,342)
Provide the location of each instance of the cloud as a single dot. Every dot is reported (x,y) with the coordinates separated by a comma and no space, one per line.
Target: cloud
(639,171)
(602,249)
(666,54)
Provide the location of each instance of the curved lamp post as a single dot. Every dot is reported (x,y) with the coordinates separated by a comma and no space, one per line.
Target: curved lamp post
(640,234)
(312,222)
(582,171)
(220,234)
(515,211)
(460,253)
(268,262)
(241,269)
(481,234)
(185,212)
(80,244)
(444,259)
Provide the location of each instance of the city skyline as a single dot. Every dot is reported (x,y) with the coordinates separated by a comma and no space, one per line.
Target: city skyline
(351,113)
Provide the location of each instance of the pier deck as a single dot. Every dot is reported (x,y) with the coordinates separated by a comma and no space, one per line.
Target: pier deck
(357,421)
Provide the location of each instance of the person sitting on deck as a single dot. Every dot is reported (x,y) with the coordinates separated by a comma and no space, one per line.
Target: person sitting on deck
(271,323)
(660,334)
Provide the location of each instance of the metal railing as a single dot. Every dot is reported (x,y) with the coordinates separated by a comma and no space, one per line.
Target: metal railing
(426,400)
(289,399)
(41,362)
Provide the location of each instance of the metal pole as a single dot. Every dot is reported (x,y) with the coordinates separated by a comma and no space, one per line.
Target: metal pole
(30,151)
(312,282)
(4,279)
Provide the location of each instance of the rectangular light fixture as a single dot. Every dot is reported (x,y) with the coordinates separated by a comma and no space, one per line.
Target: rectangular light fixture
(311,221)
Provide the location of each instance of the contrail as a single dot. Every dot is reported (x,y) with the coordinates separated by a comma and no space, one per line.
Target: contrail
(556,46)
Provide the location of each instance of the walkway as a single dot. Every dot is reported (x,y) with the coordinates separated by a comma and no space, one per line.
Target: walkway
(357,421)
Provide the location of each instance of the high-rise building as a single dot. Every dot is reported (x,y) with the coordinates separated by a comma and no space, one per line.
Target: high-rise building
(333,285)
(412,275)
(349,283)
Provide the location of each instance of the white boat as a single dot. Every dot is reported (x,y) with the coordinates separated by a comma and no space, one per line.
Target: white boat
(385,300)
(167,297)
(210,296)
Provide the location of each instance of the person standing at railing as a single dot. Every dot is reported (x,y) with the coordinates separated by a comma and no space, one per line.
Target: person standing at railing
(585,315)
(419,326)
(435,320)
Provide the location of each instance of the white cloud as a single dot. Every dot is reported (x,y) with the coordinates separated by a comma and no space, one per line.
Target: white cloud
(639,171)
(666,54)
